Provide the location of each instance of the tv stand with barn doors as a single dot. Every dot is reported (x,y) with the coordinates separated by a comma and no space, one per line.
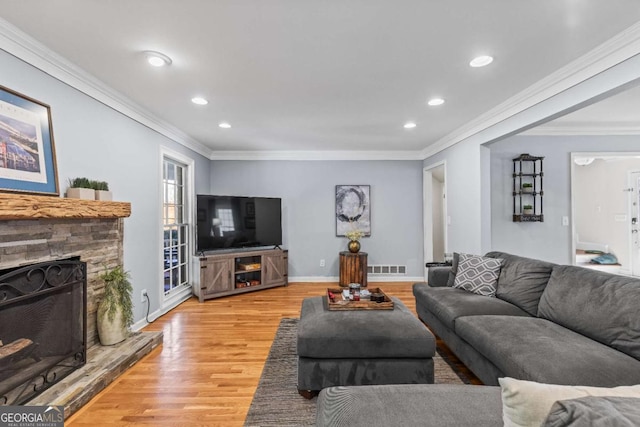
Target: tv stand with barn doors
(230,273)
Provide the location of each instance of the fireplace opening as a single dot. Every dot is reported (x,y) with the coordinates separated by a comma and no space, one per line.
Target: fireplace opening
(43,320)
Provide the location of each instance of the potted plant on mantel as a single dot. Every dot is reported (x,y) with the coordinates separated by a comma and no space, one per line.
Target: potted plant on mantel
(102,190)
(81,188)
(115,311)
(86,189)
(527,210)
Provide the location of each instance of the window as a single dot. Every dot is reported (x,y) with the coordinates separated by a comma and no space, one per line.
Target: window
(226,219)
(175,226)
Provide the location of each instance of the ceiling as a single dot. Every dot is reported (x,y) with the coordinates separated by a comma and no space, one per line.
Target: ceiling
(320,75)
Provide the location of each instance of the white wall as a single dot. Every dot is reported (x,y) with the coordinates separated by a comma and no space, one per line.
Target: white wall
(307,189)
(549,240)
(599,198)
(95,141)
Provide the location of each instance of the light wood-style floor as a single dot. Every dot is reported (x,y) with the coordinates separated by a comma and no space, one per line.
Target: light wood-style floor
(208,369)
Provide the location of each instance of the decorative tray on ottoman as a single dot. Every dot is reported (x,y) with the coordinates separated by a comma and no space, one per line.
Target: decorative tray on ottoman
(339,302)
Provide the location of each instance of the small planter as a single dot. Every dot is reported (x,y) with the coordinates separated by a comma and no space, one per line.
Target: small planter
(527,190)
(527,210)
(81,193)
(106,196)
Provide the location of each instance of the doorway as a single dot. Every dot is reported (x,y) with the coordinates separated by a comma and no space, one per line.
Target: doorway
(605,190)
(435,213)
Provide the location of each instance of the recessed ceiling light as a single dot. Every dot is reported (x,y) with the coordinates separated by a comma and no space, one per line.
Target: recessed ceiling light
(481,61)
(199,100)
(224,125)
(157,59)
(409,125)
(435,101)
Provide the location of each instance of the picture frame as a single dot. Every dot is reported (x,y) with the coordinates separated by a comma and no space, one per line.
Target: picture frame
(251,209)
(27,149)
(353,209)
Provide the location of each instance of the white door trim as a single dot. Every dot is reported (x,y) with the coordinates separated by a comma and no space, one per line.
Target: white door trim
(630,199)
(427,197)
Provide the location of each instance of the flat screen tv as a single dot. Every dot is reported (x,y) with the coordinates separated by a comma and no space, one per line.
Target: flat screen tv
(229,222)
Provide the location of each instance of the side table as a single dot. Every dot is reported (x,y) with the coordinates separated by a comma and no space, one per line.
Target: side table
(353,268)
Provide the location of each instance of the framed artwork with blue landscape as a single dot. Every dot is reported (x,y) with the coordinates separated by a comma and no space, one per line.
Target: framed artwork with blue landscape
(27,152)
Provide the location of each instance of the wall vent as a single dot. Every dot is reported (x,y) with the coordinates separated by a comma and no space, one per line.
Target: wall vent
(387,270)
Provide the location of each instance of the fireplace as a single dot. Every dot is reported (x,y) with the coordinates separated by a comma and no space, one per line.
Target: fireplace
(43,321)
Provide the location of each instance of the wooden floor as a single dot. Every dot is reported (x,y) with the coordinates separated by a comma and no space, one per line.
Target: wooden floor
(206,372)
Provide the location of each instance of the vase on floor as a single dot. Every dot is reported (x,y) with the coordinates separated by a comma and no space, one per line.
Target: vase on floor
(354,246)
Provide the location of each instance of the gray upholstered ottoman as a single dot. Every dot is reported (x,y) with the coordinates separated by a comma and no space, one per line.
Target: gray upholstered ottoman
(361,347)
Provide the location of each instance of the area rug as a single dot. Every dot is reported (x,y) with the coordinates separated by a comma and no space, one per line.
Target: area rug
(277,402)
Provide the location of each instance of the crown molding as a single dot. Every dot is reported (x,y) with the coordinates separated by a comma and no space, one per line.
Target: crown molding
(567,129)
(619,48)
(315,155)
(24,47)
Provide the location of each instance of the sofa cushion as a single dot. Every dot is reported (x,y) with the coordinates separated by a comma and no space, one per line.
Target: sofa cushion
(527,403)
(522,280)
(447,304)
(443,405)
(600,305)
(478,274)
(535,349)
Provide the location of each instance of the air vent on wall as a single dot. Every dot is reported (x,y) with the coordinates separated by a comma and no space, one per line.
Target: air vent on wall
(387,270)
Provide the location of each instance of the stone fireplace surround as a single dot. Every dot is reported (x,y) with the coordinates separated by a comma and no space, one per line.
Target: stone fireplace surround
(43,228)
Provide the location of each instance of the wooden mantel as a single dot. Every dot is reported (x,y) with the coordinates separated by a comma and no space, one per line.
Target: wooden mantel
(27,206)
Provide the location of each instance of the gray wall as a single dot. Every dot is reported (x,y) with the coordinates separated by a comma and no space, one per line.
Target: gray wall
(307,189)
(549,240)
(95,141)
(464,196)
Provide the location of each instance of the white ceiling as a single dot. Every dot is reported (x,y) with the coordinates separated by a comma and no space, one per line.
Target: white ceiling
(321,75)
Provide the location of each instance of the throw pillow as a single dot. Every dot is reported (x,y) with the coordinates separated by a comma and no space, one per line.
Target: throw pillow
(609,259)
(454,269)
(595,411)
(527,403)
(478,274)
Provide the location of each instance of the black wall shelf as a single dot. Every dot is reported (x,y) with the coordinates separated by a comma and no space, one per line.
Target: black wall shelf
(527,188)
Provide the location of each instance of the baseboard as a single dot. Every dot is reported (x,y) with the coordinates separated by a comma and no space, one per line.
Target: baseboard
(370,279)
(320,279)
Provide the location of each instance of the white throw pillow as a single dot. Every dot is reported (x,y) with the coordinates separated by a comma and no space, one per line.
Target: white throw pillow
(527,403)
(478,274)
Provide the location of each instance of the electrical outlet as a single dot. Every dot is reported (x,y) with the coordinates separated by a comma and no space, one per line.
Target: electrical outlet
(143,295)
(322,263)
(565,221)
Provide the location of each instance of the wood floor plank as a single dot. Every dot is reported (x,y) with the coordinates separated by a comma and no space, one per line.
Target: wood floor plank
(208,368)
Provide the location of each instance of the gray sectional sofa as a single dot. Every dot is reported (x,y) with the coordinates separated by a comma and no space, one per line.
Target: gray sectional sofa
(548,323)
